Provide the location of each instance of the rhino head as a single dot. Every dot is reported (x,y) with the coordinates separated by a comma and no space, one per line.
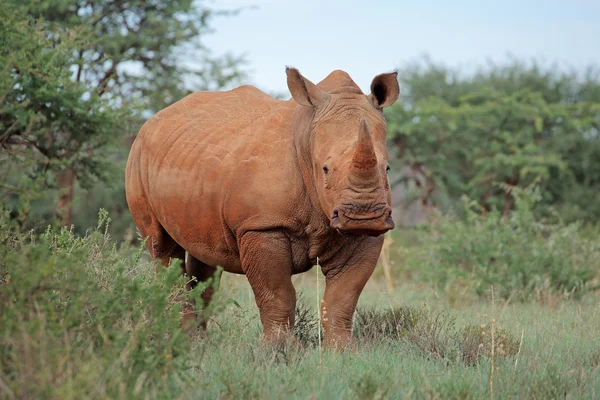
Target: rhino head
(344,145)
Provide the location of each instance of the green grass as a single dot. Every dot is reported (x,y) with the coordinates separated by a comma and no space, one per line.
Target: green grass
(81,319)
(559,355)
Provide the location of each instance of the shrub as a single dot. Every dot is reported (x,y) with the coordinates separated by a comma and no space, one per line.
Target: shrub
(516,254)
(475,341)
(433,333)
(372,324)
(305,327)
(80,318)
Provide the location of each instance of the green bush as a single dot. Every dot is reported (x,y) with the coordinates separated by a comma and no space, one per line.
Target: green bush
(518,255)
(79,318)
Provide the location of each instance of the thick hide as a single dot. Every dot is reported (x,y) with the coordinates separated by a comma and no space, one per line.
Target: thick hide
(263,187)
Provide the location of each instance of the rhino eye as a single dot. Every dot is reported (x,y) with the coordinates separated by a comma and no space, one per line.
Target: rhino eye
(325,169)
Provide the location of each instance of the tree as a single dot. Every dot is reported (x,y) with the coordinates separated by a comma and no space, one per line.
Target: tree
(133,46)
(126,54)
(505,126)
(48,122)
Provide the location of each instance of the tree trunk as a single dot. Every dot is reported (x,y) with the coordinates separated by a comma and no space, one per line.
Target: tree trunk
(426,190)
(64,208)
(508,202)
(508,198)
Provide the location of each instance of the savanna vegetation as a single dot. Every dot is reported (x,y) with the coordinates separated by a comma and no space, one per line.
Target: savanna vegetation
(495,295)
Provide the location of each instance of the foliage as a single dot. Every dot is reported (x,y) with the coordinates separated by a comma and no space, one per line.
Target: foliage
(133,46)
(512,124)
(305,323)
(48,122)
(76,80)
(80,319)
(517,254)
(39,210)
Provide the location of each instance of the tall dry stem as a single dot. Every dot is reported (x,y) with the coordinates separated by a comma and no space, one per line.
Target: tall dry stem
(493,324)
(319,317)
(519,351)
(386,263)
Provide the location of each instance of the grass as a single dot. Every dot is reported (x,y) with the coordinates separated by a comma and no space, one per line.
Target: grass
(86,320)
(558,356)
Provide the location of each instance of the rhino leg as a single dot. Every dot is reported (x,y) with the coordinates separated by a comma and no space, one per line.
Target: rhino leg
(159,243)
(267,262)
(343,286)
(162,247)
(197,271)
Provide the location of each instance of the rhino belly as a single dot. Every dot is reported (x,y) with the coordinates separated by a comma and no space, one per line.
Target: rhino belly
(188,204)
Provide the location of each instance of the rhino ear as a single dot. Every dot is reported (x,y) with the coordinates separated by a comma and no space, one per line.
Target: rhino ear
(304,91)
(384,90)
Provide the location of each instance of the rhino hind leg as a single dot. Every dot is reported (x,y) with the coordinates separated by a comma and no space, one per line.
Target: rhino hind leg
(162,247)
(159,243)
(197,271)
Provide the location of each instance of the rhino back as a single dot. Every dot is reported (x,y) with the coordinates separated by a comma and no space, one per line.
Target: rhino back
(214,165)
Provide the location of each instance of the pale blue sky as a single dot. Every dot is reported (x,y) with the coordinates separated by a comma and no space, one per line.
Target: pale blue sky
(366,38)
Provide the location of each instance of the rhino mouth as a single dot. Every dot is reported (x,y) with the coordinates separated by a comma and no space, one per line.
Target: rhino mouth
(372,224)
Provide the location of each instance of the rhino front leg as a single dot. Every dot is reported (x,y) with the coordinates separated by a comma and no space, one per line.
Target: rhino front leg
(267,263)
(343,286)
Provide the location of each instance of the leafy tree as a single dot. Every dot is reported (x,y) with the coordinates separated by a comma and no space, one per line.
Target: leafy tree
(132,47)
(512,124)
(124,55)
(48,122)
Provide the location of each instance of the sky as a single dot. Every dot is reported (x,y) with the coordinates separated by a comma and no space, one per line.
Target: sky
(365,38)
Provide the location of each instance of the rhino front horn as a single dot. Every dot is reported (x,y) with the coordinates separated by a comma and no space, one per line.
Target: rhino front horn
(364,158)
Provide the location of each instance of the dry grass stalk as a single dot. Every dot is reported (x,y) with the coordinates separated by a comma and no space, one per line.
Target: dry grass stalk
(519,351)
(386,263)
(493,325)
(319,317)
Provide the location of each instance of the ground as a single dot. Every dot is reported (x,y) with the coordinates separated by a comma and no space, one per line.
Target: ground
(554,351)
(97,321)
